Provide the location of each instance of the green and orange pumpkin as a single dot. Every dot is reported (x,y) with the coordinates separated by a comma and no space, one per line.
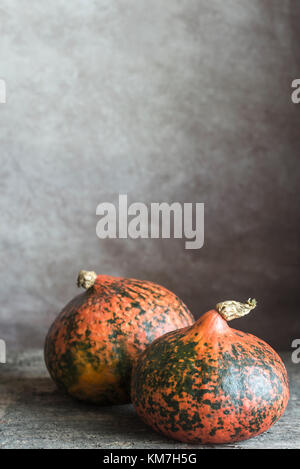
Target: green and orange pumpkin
(90,347)
(209,383)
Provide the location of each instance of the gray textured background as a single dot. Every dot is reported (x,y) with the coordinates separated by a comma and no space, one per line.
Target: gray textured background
(167,100)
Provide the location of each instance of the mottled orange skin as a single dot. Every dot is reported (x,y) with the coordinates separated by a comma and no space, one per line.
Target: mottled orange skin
(208,383)
(91,345)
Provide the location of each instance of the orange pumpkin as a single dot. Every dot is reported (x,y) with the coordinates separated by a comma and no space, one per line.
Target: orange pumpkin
(91,345)
(208,383)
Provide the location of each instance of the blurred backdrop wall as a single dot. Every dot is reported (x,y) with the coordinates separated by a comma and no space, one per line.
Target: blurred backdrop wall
(186,101)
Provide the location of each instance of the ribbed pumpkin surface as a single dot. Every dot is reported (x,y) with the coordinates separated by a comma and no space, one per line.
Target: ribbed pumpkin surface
(209,383)
(91,345)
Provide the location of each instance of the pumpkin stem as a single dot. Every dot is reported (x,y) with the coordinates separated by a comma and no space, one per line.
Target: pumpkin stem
(86,279)
(234,309)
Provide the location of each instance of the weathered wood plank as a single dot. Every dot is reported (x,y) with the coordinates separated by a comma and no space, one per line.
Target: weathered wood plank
(33,414)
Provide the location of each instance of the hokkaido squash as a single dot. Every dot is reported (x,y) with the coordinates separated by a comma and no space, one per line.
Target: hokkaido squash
(91,345)
(208,383)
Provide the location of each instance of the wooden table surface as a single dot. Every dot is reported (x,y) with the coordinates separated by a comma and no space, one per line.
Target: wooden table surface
(33,414)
